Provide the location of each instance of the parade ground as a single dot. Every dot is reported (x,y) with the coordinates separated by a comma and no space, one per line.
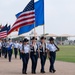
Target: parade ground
(14,67)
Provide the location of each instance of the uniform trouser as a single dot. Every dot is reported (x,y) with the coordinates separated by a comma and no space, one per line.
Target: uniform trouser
(25,58)
(0,52)
(15,52)
(43,60)
(52,60)
(9,55)
(5,53)
(20,54)
(34,59)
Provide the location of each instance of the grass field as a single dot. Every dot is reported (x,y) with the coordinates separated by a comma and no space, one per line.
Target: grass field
(66,53)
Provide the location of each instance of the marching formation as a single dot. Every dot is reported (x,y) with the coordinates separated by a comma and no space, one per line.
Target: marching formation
(31,49)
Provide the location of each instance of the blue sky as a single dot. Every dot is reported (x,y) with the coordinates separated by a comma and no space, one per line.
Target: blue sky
(59,15)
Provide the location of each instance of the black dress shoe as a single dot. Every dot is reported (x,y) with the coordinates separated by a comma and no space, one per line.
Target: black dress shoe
(54,71)
(42,71)
(51,71)
(25,73)
(33,72)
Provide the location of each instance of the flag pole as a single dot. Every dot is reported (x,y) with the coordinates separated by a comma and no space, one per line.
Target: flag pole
(44,30)
(44,23)
(34,24)
(34,30)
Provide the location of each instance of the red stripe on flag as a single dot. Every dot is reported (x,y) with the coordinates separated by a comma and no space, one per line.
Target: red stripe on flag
(26,14)
(23,20)
(3,34)
(23,24)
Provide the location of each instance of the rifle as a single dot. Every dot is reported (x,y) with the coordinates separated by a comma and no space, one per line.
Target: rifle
(56,46)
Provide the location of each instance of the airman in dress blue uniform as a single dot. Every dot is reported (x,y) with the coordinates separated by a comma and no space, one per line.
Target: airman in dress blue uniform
(34,54)
(4,48)
(25,50)
(43,53)
(16,46)
(20,45)
(9,48)
(52,48)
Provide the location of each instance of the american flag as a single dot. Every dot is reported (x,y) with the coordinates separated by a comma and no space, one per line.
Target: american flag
(3,34)
(4,30)
(27,17)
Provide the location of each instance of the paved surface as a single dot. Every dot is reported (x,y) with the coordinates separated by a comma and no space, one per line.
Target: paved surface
(14,67)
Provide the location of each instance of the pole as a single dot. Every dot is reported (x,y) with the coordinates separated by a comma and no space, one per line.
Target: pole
(43,30)
(34,30)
